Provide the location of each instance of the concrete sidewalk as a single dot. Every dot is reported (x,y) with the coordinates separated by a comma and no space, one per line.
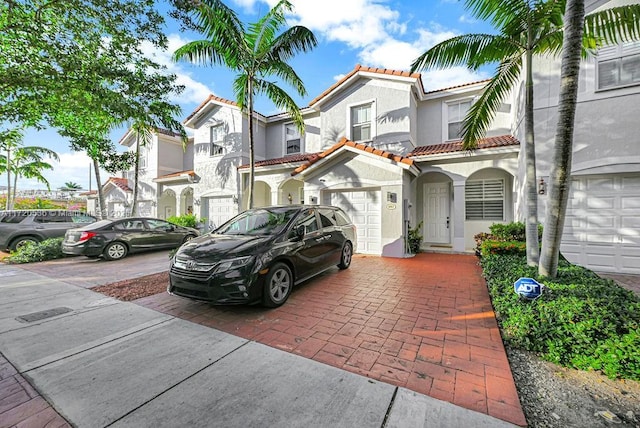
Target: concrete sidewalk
(101,362)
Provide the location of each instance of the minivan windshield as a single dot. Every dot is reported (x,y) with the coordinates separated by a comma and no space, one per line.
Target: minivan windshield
(259,222)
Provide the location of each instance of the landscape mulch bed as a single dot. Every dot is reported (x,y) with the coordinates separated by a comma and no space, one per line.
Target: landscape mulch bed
(136,288)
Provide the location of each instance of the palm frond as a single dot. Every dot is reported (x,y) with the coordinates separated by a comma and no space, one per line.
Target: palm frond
(614,25)
(460,50)
(260,35)
(240,89)
(484,109)
(287,74)
(292,41)
(205,52)
(500,13)
(282,100)
(219,21)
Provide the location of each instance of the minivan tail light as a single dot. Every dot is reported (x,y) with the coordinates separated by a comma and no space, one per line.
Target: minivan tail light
(84,236)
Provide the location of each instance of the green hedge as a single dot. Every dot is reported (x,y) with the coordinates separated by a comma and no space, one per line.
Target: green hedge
(580,321)
(48,249)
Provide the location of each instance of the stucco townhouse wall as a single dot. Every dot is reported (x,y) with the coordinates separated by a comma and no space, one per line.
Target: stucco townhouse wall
(390,114)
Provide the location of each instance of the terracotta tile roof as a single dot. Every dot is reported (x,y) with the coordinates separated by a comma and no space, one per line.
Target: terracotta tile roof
(458,86)
(360,68)
(89,193)
(304,157)
(205,102)
(178,174)
(168,132)
(485,143)
(359,146)
(122,183)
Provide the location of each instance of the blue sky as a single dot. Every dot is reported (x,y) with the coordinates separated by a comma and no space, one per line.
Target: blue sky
(374,33)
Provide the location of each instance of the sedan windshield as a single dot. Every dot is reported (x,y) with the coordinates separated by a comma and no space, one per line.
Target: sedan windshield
(259,222)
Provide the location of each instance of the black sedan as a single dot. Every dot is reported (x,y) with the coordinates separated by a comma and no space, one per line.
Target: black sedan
(258,256)
(114,239)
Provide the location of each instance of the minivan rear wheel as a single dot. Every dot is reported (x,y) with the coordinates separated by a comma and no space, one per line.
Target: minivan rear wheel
(277,285)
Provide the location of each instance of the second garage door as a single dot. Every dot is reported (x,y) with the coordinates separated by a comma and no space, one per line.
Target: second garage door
(602,225)
(220,210)
(364,209)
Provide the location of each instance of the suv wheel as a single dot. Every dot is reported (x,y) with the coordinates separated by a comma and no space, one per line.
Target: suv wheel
(22,241)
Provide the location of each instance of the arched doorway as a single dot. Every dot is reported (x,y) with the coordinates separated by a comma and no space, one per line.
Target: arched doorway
(167,204)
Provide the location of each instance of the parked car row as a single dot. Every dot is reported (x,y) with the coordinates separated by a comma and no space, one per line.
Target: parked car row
(256,257)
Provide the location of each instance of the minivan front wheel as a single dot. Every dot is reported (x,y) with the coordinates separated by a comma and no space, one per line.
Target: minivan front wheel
(115,251)
(346,256)
(277,285)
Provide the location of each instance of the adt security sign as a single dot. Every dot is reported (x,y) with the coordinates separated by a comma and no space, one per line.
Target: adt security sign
(528,288)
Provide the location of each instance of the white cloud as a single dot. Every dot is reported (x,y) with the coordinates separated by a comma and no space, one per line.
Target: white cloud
(466,19)
(440,79)
(194,91)
(338,77)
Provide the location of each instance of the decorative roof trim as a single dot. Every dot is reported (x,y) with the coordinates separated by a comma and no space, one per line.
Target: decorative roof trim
(352,146)
(456,147)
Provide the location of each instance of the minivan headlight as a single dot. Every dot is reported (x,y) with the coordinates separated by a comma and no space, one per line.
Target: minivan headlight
(232,264)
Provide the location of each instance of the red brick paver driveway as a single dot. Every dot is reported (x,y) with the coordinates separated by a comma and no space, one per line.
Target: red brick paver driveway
(424,323)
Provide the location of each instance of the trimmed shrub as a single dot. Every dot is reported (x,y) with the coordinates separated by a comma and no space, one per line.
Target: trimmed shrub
(502,247)
(48,249)
(415,239)
(187,220)
(580,321)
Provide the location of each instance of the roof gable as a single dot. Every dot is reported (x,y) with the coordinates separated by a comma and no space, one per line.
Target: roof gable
(347,145)
(360,70)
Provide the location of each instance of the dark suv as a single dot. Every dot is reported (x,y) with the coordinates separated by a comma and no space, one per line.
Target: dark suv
(18,227)
(259,255)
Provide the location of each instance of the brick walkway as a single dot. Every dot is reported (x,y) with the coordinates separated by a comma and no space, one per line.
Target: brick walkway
(424,323)
(21,405)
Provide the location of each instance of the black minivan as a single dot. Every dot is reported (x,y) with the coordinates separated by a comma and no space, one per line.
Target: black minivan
(259,255)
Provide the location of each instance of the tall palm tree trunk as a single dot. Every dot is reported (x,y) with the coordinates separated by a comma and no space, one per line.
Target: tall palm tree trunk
(102,210)
(531,224)
(136,167)
(251,151)
(560,178)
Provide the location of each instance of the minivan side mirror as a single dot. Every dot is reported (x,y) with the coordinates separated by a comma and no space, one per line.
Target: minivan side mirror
(298,232)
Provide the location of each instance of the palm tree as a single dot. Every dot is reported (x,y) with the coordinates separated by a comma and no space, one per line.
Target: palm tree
(525,29)
(610,26)
(28,162)
(70,185)
(9,139)
(254,52)
(560,175)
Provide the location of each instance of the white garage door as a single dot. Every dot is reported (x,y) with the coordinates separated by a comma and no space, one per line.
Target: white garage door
(221,209)
(364,209)
(602,226)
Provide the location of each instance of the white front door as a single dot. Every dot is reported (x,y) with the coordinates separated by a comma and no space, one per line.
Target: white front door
(436,213)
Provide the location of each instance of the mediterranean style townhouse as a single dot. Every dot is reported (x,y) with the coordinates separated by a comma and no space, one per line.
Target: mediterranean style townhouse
(388,152)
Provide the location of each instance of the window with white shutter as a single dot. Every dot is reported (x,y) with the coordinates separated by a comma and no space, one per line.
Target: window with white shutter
(619,65)
(484,199)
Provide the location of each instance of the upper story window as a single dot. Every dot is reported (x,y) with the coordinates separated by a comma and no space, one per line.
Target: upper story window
(484,199)
(619,65)
(293,141)
(142,158)
(361,129)
(456,112)
(216,139)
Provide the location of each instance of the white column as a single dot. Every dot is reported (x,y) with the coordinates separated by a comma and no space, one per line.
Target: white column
(458,216)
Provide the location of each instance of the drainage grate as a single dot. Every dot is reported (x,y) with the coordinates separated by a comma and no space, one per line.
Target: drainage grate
(37,316)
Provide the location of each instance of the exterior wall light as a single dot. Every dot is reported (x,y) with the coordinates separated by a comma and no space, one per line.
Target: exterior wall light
(542,187)
(290,198)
